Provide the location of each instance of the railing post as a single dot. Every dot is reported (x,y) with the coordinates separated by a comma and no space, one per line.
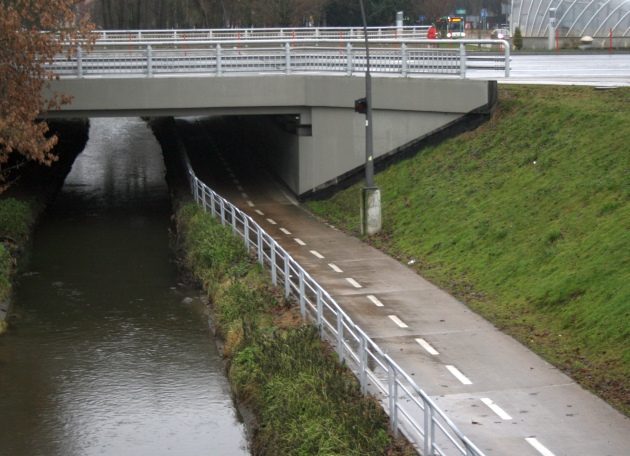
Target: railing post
(213,206)
(320,311)
(287,276)
(462,60)
(349,58)
(429,428)
(259,242)
(274,274)
(393,398)
(149,61)
(403,59)
(287,57)
(363,363)
(219,63)
(507,60)
(79,62)
(246,231)
(340,336)
(302,297)
(222,204)
(203,200)
(233,221)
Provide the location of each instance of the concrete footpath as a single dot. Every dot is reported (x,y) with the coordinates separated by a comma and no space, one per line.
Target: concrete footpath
(505,398)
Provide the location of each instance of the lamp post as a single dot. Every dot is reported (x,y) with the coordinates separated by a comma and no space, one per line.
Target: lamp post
(371,195)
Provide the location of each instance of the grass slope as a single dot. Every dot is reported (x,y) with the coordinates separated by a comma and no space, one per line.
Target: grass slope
(527,219)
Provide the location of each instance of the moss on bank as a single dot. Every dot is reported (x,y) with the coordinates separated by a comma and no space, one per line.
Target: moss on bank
(304,401)
(526,219)
(21,205)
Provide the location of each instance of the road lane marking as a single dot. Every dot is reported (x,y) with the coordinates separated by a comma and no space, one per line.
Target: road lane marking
(398,321)
(272,221)
(299,241)
(427,346)
(250,203)
(259,212)
(285,231)
(244,195)
(495,408)
(334,267)
(236,181)
(240,188)
(375,300)
(539,446)
(317,254)
(461,377)
(353,282)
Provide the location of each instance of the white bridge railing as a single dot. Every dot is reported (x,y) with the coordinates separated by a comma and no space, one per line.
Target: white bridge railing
(411,411)
(285,56)
(249,34)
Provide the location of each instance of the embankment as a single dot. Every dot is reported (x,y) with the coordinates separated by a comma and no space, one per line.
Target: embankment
(527,220)
(21,205)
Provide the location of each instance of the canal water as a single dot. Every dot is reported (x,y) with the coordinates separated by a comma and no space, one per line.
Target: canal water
(109,354)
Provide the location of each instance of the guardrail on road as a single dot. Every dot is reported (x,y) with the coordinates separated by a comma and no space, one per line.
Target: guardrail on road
(411,411)
(393,57)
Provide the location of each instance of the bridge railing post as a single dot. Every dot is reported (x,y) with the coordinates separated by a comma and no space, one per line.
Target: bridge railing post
(403,59)
(349,59)
(149,61)
(79,61)
(429,428)
(392,386)
(287,57)
(219,63)
(462,60)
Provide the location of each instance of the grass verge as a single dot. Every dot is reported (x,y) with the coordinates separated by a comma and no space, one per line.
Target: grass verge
(304,401)
(527,220)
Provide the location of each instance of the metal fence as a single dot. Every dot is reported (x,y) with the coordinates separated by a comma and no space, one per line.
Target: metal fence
(325,33)
(413,57)
(411,411)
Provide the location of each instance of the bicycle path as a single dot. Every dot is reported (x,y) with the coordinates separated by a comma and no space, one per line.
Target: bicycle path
(504,397)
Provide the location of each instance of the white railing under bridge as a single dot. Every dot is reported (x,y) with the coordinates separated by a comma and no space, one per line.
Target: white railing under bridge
(409,57)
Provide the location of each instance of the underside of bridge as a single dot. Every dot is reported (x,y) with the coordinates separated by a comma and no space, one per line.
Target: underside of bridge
(305,127)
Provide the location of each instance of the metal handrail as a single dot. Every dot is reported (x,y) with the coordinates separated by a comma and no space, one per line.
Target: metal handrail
(404,58)
(260,33)
(411,411)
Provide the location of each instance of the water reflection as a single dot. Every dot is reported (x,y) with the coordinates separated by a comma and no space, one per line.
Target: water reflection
(107,355)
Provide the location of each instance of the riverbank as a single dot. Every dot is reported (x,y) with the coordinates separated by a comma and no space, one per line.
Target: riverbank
(26,200)
(301,399)
(526,220)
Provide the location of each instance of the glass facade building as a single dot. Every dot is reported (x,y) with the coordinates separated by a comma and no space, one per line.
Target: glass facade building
(574,18)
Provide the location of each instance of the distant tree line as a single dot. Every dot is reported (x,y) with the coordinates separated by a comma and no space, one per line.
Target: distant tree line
(136,14)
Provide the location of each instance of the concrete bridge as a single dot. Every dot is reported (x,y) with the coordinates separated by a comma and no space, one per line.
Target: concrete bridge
(297,93)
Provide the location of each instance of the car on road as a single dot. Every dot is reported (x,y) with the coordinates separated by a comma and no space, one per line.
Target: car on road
(500,34)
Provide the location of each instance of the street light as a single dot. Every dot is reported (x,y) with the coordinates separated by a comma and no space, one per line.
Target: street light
(371,195)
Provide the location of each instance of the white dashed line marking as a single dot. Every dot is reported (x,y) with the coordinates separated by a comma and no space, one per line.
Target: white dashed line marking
(259,212)
(285,231)
(375,300)
(495,408)
(317,254)
(244,195)
(539,446)
(353,282)
(272,221)
(250,203)
(236,181)
(398,321)
(299,241)
(427,346)
(239,188)
(334,267)
(461,377)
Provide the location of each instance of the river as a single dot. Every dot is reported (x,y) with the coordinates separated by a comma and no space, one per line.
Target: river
(108,353)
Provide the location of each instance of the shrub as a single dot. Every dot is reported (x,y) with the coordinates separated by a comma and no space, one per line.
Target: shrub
(518,39)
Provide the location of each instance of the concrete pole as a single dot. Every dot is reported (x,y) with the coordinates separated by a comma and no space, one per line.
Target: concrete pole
(371,195)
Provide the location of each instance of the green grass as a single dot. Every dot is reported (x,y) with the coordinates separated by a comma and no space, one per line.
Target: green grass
(527,219)
(304,401)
